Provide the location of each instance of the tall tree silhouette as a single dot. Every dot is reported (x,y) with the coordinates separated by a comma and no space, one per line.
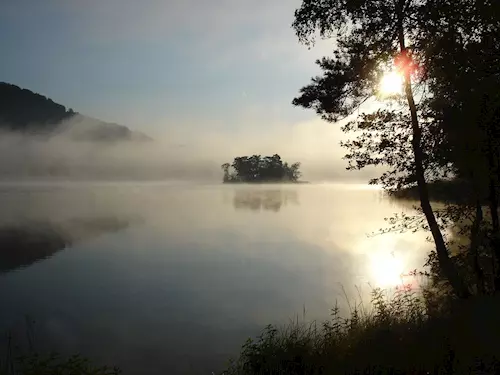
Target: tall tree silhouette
(463,62)
(370,36)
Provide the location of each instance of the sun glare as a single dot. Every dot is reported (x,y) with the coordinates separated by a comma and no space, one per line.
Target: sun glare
(387,270)
(391,84)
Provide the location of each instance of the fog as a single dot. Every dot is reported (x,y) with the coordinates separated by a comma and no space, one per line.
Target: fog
(176,153)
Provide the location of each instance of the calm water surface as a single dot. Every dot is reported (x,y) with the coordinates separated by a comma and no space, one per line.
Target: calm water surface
(171,278)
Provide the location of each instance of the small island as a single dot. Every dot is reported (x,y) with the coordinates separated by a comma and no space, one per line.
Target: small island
(258,169)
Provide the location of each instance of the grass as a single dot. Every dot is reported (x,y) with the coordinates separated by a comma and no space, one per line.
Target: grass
(27,361)
(404,334)
(34,364)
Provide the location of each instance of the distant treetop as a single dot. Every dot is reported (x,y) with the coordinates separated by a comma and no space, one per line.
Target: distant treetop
(256,168)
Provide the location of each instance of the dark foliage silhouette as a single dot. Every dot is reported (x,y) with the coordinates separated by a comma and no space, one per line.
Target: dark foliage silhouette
(256,168)
(22,110)
(447,52)
(398,335)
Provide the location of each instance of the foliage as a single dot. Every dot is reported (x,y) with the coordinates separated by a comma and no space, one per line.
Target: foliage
(449,52)
(15,101)
(405,334)
(465,78)
(22,110)
(20,359)
(368,43)
(383,138)
(463,70)
(35,364)
(260,169)
(373,36)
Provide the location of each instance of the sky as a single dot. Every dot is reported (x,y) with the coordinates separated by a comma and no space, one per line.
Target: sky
(176,68)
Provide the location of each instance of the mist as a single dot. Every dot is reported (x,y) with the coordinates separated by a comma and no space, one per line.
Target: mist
(177,153)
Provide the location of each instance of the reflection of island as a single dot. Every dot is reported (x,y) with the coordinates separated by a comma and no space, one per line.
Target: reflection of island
(258,200)
(23,244)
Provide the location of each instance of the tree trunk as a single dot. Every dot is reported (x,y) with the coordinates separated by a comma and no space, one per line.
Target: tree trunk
(445,263)
(475,239)
(493,203)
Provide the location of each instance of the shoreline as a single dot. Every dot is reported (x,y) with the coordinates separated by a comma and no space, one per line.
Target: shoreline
(267,182)
(446,191)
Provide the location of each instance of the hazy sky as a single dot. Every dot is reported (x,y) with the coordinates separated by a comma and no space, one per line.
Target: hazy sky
(218,74)
(149,64)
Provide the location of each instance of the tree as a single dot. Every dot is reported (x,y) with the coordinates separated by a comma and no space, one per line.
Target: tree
(225,167)
(292,172)
(462,71)
(370,36)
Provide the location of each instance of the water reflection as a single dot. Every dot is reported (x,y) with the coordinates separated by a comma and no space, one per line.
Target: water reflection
(182,291)
(28,242)
(268,199)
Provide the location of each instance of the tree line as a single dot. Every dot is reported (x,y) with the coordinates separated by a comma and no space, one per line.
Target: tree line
(256,168)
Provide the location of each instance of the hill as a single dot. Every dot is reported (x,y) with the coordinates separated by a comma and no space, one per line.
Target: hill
(24,111)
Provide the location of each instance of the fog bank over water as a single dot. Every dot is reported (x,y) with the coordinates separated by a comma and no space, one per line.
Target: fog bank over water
(175,153)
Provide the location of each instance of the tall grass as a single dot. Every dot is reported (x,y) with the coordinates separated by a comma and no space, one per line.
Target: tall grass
(28,361)
(53,364)
(403,334)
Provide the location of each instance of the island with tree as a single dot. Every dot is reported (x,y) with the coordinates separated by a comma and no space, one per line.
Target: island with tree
(258,169)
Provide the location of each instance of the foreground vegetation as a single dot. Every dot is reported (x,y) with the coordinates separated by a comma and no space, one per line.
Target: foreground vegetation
(25,357)
(34,364)
(404,334)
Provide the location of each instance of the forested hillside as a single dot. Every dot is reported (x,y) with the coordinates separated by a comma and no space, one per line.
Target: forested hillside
(22,110)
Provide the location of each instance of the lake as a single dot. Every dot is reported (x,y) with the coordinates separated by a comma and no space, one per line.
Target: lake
(172,278)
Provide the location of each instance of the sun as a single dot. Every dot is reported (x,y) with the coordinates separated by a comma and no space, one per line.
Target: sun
(387,269)
(391,84)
